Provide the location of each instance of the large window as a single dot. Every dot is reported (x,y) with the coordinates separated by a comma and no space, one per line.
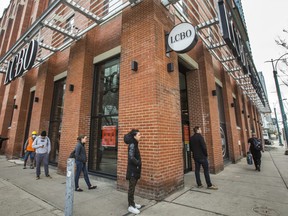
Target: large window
(104,119)
(55,124)
(237,113)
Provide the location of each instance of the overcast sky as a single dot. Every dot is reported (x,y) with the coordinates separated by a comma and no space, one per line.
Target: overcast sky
(265,20)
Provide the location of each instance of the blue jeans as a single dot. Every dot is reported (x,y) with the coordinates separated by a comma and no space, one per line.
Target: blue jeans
(80,166)
(205,165)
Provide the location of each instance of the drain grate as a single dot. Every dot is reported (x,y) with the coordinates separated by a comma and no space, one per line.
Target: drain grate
(265,211)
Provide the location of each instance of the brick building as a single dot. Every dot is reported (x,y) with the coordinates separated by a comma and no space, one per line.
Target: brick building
(104,67)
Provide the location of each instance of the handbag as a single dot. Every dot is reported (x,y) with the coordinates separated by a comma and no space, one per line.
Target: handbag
(249,158)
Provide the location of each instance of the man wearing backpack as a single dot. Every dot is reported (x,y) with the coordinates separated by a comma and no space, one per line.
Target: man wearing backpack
(255,147)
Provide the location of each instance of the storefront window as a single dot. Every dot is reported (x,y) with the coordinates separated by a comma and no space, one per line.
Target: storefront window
(56,119)
(104,119)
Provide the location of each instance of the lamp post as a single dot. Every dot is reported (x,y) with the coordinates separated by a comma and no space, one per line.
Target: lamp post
(283,114)
(279,135)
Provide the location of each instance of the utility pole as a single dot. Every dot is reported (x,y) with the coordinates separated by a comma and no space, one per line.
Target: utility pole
(279,135)
(283,114)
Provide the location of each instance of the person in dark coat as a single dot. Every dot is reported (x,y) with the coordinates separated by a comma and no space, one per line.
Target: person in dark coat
(2,139)
(81,160)
(133,167)
(200,155)
(256,153)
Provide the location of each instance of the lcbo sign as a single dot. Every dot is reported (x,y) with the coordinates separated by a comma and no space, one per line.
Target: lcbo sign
(182,38)
(22,62)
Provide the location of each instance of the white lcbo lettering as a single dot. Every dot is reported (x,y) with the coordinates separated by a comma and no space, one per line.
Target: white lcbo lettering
(23,61)
(181,36)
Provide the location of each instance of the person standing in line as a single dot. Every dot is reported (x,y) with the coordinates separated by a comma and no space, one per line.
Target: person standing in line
(29,150)
(133,167)
(255,147)
(80,160)
(200,155)
(42,145)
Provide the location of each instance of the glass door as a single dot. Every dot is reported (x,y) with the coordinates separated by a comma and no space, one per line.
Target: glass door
(185,120)
(104,119)
(55,123)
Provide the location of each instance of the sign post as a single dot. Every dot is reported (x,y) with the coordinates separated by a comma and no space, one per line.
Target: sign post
(69,194)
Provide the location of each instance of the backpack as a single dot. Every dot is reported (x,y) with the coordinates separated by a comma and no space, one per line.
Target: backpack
(257,144)
(72,154)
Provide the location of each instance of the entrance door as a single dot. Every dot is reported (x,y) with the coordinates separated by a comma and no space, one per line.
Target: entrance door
(223,132)
(56,119)
(104,119)
(185,119)
(32,95)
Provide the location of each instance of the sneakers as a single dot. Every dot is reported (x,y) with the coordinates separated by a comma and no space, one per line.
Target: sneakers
(37,177)
(200,186)
(48,176)
(138,206)
(31,167)
(212,187)
(133,210)
(24,167)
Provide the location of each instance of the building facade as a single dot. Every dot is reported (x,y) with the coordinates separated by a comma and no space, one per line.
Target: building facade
(103,67)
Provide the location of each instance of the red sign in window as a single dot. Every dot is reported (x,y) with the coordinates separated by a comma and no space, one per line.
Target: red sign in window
(109,136)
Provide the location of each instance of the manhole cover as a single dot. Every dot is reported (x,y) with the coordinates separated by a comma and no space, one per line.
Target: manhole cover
(265,211)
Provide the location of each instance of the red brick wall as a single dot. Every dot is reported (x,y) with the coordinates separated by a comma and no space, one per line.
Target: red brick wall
(149,101)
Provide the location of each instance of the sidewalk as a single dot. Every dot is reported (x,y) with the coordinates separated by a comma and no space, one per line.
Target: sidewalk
(242,191)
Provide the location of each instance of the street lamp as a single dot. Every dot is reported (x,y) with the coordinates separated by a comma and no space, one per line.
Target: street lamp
(283,114)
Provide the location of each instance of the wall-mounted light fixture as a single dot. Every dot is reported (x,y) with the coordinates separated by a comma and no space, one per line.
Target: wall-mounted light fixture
(232,104)
(214,92)
(71,87)
(170,67)
(15,106)
(36,99)
(134,65)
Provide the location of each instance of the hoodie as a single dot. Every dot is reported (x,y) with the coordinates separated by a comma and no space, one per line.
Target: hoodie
(134,157)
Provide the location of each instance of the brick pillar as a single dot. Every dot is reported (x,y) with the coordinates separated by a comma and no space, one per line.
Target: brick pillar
(150,101)
(77,104)
(6,116)
(44,91)
(202,105)
(231,127)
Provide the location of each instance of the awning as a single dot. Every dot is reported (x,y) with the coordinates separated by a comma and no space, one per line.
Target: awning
(64,22)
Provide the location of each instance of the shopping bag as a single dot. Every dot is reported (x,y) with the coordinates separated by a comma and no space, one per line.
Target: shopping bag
(249,158)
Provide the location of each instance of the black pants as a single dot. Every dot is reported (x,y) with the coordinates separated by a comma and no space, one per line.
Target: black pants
(132,185)
(256,158)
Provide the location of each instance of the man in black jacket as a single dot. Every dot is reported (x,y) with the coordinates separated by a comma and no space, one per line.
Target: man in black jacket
(198,147)
(253,144)
(133,167)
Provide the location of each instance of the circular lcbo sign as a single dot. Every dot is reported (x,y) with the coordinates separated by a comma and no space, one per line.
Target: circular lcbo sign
(182,38)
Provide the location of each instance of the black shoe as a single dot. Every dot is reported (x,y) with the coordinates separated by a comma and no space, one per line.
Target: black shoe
(78,190)
(48,176)
(92,187)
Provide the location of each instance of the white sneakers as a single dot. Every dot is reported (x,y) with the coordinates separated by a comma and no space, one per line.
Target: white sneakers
(138,206)
(133,210)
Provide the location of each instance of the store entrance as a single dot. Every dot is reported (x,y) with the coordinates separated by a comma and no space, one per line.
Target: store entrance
(185,119)
(55,123)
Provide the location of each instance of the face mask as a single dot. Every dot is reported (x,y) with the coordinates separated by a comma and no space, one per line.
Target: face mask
(33,136)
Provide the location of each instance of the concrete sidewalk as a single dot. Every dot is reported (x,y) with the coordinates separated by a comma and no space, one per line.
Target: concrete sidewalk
(242,191)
